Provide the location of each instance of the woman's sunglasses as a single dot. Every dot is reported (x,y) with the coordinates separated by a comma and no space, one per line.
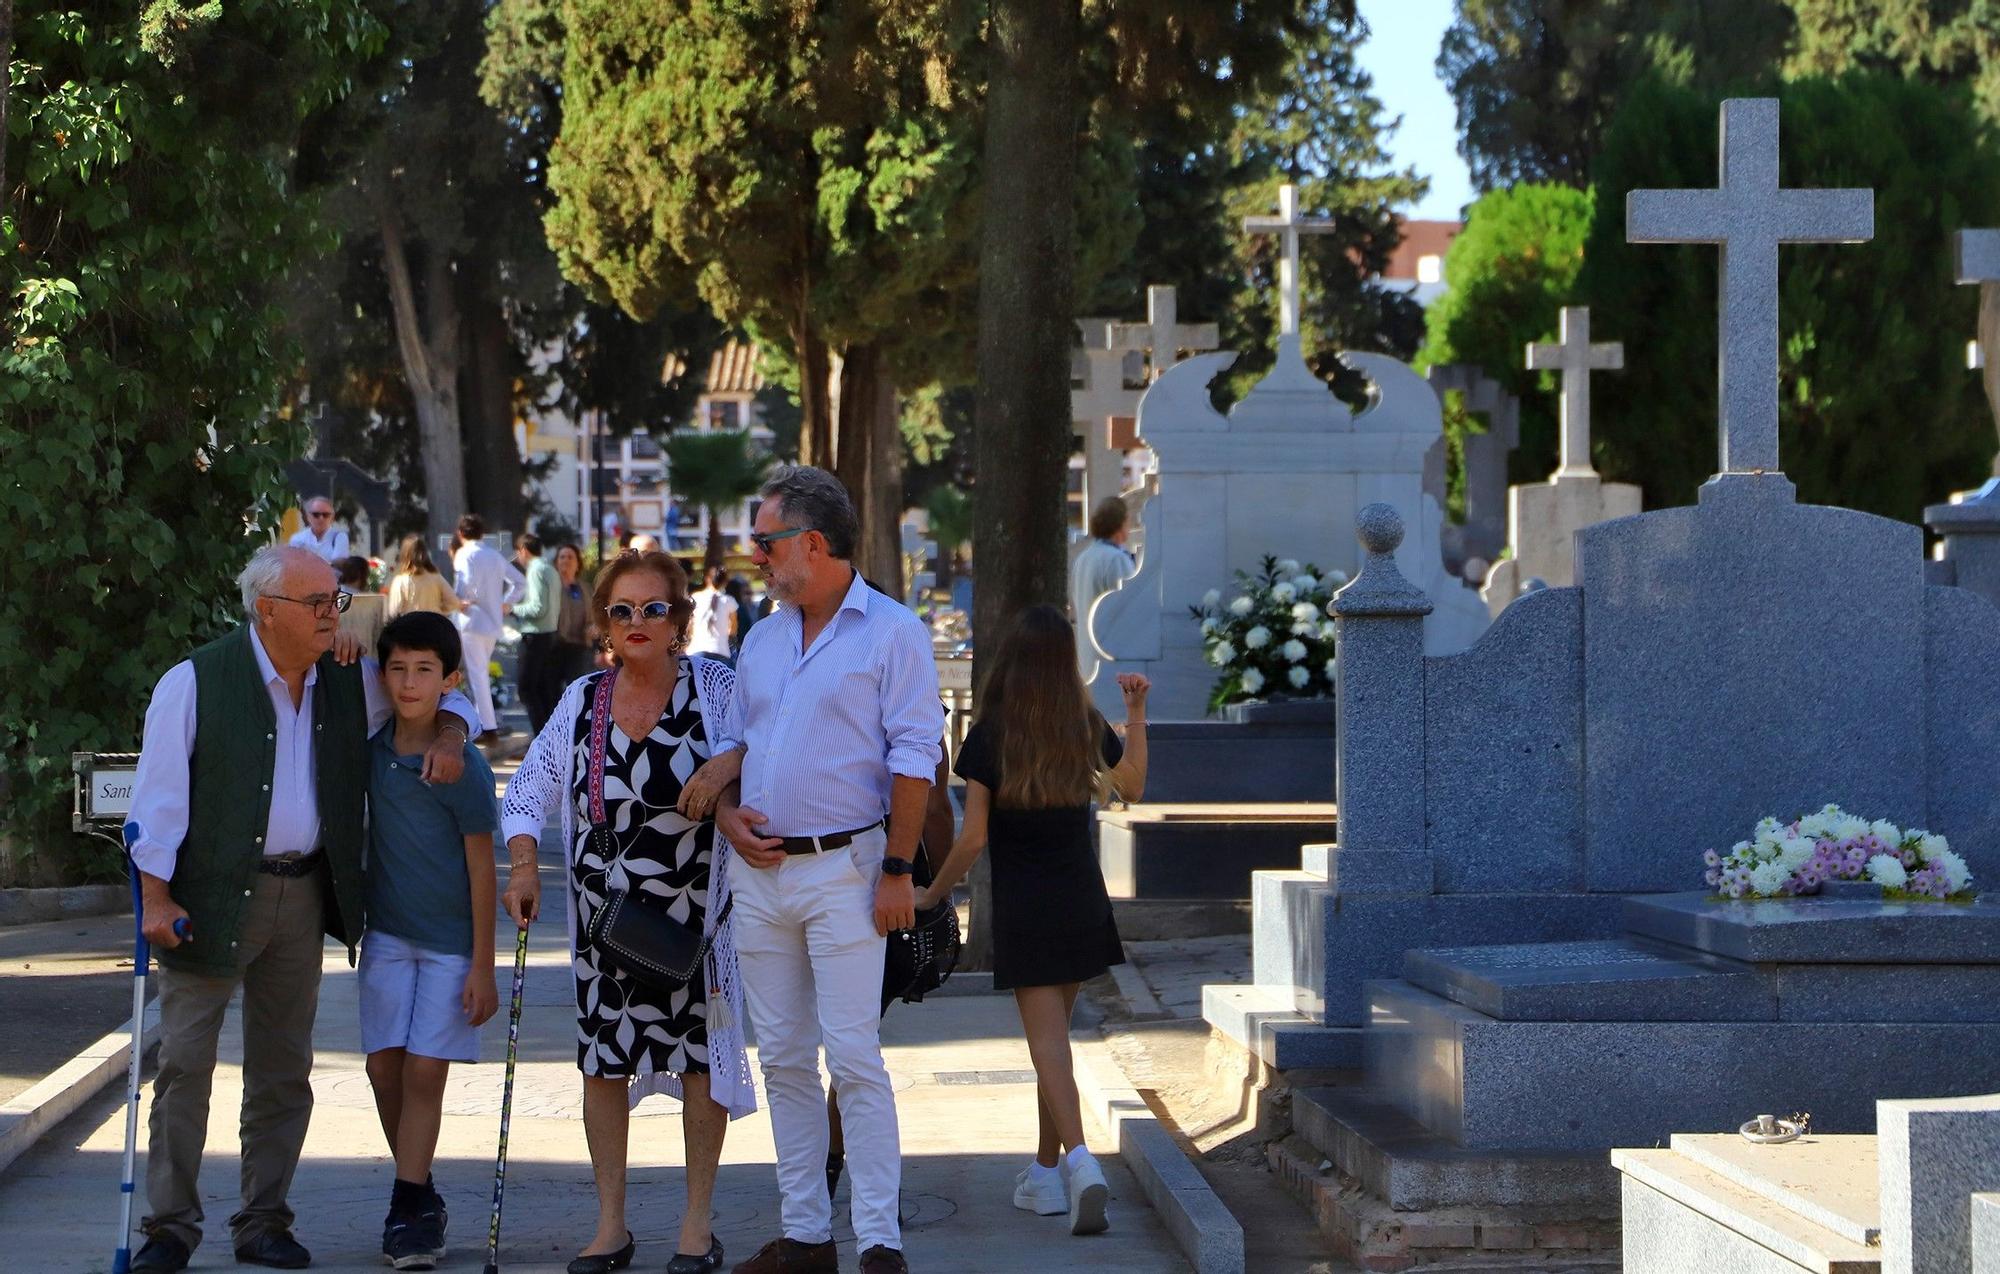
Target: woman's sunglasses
(626,613)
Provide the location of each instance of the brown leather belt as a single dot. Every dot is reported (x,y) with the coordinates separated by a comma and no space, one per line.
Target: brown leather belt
(821,844)
(289,865)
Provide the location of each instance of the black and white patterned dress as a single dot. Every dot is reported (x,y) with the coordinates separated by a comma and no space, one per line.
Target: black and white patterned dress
(623,1028)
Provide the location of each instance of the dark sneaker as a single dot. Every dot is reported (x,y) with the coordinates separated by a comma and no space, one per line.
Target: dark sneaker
(416,1241)
(835,1163)
(163,1254)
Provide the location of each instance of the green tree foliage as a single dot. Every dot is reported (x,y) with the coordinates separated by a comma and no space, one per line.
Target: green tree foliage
(950,511)
(1939,41)
(1513,267)
(140,440)
(715,471)
(1876,409)
(1537,81)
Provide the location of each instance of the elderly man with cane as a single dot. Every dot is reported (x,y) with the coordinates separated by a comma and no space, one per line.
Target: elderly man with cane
(246,834)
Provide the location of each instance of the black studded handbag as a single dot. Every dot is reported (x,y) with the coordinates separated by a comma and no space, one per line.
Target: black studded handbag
(922,957)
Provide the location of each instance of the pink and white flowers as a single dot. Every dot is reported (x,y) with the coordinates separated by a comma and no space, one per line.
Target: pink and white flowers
(1783,860)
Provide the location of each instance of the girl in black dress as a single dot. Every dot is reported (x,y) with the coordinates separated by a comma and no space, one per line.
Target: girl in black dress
(1037,755)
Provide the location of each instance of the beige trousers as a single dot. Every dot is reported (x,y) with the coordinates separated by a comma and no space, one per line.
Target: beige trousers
(278,967)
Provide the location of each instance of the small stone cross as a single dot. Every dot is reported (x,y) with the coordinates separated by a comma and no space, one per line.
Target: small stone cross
(1575,357)
(1162,334)
(1289,225)
(1102,397)
(1749,215)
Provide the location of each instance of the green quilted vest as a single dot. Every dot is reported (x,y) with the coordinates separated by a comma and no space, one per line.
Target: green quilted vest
(229,806)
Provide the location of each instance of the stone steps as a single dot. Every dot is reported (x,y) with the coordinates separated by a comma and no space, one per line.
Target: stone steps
(1203,850)
(1608,980)
(1682,1217)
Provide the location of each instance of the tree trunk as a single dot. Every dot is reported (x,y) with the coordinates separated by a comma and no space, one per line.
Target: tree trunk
(429,350)
(492,457)
(713,556)
(868,460)
(815,407)
(6,57)
(1989,348)
(1021,421)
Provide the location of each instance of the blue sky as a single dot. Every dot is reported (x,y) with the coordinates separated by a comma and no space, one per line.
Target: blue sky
(1401,54)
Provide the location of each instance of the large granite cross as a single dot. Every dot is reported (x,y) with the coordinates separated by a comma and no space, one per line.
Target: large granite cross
(1575,357)
(1289,225)
(1749,215)
(1162,335)
(1098,404)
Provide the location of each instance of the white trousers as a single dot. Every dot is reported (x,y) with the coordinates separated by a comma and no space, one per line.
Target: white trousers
(478,653)
(812,974)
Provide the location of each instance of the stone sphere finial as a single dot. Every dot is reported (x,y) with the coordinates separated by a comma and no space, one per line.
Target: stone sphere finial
(1379,527)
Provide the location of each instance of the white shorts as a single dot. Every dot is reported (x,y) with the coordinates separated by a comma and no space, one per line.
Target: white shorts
(411,998)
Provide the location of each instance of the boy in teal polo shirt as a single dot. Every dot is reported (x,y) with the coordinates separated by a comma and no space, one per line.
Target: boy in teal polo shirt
(427,979)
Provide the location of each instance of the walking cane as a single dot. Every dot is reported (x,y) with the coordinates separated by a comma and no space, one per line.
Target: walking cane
(506,1102)
(121,1260)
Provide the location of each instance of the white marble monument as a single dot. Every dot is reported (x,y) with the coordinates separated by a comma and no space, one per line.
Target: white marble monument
(1542,520)
(1282,474)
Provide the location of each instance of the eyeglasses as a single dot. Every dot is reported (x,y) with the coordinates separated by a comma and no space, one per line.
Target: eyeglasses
(626,613)
(764,542)
(319,513)
(322,607)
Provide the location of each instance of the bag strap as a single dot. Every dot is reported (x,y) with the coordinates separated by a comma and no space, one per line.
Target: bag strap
(600,732)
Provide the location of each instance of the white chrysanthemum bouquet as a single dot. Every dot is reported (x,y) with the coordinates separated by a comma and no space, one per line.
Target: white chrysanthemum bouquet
(1785,860)
(1274,639)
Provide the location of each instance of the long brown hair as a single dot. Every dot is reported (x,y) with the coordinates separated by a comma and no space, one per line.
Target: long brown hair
(1049,734)
(414,558)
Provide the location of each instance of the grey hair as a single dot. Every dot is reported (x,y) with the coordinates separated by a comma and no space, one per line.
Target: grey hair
(265,574)
(816,501)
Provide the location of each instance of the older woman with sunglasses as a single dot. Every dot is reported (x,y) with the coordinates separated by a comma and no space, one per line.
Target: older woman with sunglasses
(621,774)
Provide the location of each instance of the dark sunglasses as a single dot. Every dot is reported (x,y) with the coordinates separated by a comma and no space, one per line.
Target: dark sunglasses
(764,542)
(626,613)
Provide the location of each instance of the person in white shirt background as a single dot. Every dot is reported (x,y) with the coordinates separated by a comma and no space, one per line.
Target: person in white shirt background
(838,717)
(486,582)
(1101,567)
(715,620)
(319,534)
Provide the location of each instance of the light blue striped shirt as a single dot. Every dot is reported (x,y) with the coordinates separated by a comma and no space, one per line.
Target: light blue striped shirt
(827,728)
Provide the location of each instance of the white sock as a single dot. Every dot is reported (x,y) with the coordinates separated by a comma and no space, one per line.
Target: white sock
(1077,1155)
(1037,1171)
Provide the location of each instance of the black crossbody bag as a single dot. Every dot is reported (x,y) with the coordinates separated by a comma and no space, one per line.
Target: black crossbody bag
(633,929)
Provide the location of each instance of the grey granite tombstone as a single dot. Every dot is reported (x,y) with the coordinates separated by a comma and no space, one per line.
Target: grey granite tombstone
(1933,1156)
(1712,664)
(1484,532)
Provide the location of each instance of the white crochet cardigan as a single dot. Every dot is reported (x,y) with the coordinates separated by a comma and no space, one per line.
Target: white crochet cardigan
(544,783)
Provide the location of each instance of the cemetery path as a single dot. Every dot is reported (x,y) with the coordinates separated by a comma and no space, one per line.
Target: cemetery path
(967,1117)
(67,984)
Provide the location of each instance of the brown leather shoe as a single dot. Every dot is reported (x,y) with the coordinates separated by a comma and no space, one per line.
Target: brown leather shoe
(883,1260)
(785,1256)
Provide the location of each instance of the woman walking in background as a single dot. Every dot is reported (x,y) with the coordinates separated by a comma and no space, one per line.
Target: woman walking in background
(417,584)
(1036,756)
(576,636)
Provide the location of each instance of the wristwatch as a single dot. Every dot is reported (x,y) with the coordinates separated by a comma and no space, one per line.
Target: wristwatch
(893,866)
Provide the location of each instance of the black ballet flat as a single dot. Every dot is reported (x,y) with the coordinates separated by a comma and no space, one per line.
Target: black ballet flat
(685,1264)
(605,1262)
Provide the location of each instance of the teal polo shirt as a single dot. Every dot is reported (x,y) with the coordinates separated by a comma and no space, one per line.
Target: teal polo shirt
(417,887)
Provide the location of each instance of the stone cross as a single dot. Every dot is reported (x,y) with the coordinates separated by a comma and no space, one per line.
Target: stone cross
(1976,256)
(1749,215)
(1575,357)
(1289,226)
(1162,334)
(1093,405)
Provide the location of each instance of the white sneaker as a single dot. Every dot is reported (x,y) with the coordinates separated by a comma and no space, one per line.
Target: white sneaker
(1040,1192)
(1087,1193)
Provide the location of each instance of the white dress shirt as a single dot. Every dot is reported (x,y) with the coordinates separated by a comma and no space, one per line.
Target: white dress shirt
(487,581)
(827,728)
(333,548)
(159,818)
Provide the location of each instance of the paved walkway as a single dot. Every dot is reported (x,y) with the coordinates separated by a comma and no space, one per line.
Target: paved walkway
(67,983)
(967,1106)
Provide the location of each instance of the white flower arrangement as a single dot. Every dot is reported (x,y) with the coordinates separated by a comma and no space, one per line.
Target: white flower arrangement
(1272,635)
(1785,860)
